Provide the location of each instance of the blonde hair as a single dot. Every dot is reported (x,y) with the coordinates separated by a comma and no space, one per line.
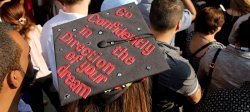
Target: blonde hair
(243,6)
(14,14)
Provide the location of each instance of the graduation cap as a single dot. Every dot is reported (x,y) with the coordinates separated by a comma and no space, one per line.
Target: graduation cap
(104,50)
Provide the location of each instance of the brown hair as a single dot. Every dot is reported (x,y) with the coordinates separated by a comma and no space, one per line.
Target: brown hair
(135,99)
(70,2)
(243,6)
(14,14)
(165,14)
(10,53)
(208,20)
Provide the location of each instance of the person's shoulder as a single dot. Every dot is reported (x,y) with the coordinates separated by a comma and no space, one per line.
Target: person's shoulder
(180,66)
(231,38)
(36,28)
(53,21)
(175,57)
(212,50)
(209,55)
(217,45)
(35,31)
(47,27)
(242,18)
(172,55)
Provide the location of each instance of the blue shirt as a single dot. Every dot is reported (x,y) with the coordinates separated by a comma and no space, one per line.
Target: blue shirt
(47,39)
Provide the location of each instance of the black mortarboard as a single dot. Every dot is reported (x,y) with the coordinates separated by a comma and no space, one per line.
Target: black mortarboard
(103,51)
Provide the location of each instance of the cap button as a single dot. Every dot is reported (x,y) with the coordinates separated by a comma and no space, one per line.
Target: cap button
(119,74)
(88,43)
(66,96)
(107,91)
(61,49)
(74,30)
(100,32)
(148,67)
(112,43)
(59,29)
(138,29)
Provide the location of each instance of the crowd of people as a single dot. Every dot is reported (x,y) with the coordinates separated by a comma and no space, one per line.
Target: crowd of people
(213,54)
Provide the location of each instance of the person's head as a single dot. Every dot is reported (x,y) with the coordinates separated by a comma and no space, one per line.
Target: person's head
(165,14)
(3,1)
(242,6)
(242,34)
(209,21)
(14,53)
(73,2)
(14,14)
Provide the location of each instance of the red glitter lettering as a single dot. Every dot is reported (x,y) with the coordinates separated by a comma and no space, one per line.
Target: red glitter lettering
(85,32)
(108,69)
(62,71)
(77,87)
(147,50)
(129,60)
(84,90)
(100,63)
(69,56)
(74,85)
(93,17)
(123,12)
(85,51)
(67,37)
(100,78)
(69,79)
(122,54)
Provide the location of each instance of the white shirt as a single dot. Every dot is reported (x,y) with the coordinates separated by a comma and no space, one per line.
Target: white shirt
(47,39)
(36,52)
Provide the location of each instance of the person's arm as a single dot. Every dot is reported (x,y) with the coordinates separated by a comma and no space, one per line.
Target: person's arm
(182,79)
(195,98)
(191,87)
(190,6)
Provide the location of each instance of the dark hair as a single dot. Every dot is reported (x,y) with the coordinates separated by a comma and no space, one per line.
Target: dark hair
(10,53)
(208,20)
(135,99)
(242,34)
(165,14)
(70,2)
(12,12)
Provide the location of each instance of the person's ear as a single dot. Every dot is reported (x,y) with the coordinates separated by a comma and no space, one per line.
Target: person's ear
(14,79)
(178,26)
